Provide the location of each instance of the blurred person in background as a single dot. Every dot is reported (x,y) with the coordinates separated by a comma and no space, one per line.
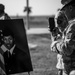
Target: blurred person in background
(3,16)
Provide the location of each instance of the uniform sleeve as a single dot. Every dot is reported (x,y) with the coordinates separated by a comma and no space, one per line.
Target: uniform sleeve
(67,46)
(54,43)
(54,47)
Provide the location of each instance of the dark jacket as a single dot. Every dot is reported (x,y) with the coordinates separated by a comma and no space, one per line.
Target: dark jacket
(18,62)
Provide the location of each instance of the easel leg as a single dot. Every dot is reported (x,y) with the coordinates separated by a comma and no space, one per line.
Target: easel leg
(28,73)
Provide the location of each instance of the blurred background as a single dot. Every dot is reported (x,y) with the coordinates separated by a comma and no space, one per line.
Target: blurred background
(38,10)
(35,14)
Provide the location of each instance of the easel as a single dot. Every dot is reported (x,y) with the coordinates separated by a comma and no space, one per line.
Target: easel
(28,73)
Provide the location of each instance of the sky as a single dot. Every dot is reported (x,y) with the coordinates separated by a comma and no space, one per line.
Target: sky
(38,7)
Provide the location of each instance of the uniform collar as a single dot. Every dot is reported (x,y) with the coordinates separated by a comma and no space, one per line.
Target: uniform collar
(4,48)
(71,21)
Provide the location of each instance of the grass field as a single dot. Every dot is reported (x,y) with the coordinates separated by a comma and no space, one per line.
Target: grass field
(43,60)
(35,21)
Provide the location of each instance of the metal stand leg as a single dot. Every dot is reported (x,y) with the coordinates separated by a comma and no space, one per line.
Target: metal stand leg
(28,73)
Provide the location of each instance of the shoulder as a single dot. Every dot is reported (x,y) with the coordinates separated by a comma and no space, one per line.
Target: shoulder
(71,26)
(7,16)
(16,49)
(72,23)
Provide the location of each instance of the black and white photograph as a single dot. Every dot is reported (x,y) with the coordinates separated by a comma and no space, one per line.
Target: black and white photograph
(37,37)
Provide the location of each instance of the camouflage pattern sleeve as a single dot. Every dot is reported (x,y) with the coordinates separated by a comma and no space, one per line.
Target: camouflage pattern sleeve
(53,46)
(68,44)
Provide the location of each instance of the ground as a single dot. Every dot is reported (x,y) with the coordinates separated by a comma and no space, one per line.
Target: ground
(43,60)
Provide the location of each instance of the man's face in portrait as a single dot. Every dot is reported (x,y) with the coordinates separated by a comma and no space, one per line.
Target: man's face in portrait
(8,41)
